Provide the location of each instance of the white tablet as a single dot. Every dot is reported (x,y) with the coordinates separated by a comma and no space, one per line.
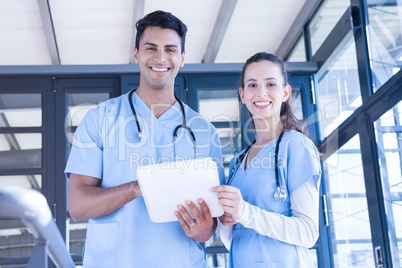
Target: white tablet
(166,185)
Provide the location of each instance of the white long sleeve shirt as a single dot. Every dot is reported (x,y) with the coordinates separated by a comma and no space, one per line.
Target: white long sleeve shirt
(299,229)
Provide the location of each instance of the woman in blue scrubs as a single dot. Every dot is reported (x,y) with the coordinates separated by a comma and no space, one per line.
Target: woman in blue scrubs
(271,219)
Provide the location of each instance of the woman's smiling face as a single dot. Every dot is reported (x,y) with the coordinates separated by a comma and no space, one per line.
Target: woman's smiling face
(264,89)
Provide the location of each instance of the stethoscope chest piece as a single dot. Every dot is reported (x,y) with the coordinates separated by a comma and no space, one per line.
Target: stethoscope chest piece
(280,194)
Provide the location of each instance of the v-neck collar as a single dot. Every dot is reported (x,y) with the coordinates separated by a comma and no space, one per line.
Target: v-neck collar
(142,109)
(266,146)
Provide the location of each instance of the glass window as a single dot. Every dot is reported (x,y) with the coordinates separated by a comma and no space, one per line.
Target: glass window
(20,110)
(347,207)
(214,259)
(389,143)
(15,238)
(325,20)
(78,231)
(24,181)
(384,33)
(20,150)
(78,105)
(338,86)
(221,107)
(298,53)
(296,102)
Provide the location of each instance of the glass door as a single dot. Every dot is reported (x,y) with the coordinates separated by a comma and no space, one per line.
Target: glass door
(389,144)
(22,135)
(75,97)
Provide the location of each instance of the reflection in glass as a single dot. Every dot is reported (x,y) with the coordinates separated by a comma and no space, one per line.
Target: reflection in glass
(20,150)
(220,260)
(78,232)
(389,144)
(384,31)
(24,181)
(338,87)
(325,20)
(298,53)
(15,240)
(347,207)
(20,110)
(296,103)
(78,105)
(221,107)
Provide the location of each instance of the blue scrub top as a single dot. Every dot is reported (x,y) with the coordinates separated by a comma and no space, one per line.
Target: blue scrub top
(298,161)
(106,146)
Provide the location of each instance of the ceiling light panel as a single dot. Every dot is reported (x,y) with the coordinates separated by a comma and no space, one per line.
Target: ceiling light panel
(258,25)
(22,37)
(199,16)
(93,31)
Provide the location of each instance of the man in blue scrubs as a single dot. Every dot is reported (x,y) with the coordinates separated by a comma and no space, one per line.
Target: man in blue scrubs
(108,147)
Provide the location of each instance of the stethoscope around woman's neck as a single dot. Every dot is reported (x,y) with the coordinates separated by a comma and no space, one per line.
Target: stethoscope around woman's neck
(176,130)
(279,194)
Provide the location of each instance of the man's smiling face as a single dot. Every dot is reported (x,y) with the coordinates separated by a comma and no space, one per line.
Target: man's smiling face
(159,57)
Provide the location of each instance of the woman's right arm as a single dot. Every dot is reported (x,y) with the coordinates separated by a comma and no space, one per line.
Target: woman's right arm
(299,229)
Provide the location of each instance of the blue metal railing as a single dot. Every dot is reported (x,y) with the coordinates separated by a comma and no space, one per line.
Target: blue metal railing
(31,208)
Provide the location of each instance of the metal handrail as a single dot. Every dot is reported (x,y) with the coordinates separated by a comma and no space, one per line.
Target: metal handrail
(31,208)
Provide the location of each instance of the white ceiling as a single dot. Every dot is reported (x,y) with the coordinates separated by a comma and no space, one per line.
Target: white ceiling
(257,25)
(23,40)
(102,31)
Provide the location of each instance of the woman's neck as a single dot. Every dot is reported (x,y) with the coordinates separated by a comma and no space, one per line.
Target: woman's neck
(266,131)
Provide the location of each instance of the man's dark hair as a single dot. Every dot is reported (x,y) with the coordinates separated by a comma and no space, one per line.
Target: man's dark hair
(164,20)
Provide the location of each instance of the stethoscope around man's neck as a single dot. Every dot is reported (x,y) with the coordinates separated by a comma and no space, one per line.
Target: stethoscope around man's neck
(279,194)
(176,130)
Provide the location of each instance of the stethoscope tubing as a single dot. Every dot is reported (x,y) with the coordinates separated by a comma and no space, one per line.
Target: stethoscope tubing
(242,156)
(175,132)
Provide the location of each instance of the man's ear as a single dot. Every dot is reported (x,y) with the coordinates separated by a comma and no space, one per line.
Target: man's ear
(182,58)
(286,93)
(241,94)
(135,55)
